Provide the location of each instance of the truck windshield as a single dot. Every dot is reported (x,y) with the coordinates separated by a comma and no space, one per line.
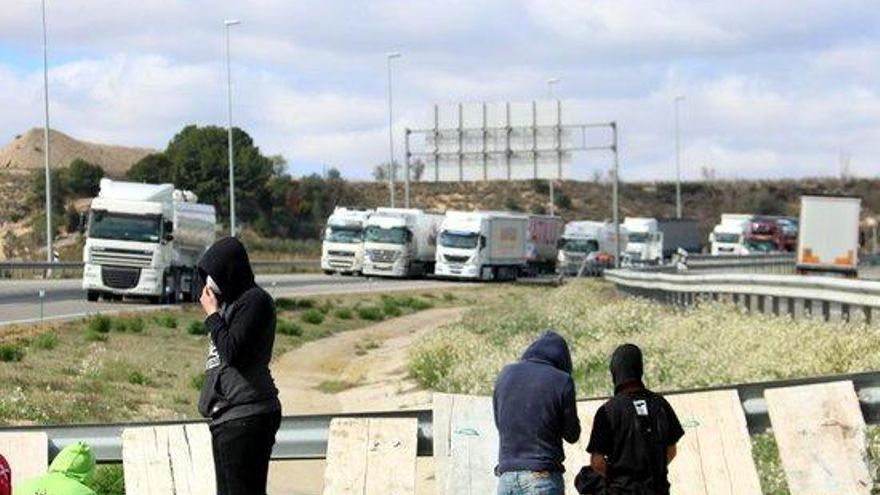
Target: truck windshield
(580,246)
(639,237)
(394,235)
(762,246)
(345,235)
(459,240)
(727,238)
(123,227)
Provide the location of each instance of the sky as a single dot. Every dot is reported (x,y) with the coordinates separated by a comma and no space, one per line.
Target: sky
(771,88)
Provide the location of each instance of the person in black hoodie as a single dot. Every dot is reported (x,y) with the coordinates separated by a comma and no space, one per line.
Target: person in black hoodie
(534,406)
(239,394)
(634,435)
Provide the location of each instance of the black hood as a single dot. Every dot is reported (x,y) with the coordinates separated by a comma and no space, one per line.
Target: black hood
(626,366)
(226,261)
(550,348)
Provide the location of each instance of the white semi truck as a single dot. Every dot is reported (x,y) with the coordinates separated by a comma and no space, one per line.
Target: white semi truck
(343,248)
(144,240)
(728,238)
(482,245)
(644,241)
(829,235)
(588,245)
(400,242)
(542,244)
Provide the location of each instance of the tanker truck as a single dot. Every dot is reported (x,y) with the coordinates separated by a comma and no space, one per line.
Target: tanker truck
(143,240)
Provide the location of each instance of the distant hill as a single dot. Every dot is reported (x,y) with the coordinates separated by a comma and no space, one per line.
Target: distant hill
(25,153)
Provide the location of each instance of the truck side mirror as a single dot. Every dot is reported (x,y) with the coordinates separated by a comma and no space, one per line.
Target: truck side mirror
(168,227)
(482,241)
(82,222)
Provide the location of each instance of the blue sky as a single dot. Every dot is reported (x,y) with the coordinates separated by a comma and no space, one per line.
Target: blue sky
(773,88)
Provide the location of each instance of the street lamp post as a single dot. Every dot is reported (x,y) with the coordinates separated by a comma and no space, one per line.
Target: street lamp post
(678,100)
(391,173)
(229,23)
(550,83)
(50,256)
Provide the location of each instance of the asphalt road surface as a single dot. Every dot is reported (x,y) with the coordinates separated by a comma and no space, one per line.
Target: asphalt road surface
(20,300)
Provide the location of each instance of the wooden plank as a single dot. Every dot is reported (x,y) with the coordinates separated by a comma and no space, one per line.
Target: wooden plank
(821,436)
(715,455)
(465,445)
(26,452)
(576,455)
(168,459)
(371,456)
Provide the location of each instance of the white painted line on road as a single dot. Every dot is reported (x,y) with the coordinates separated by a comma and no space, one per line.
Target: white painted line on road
(86,314)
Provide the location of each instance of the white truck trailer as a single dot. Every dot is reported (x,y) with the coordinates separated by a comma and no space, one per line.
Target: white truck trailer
(144,240)
(588,245)
(728,238)
(400,242)
(542,244)
(644,242)
(483,245)
(829,234)
(343,248)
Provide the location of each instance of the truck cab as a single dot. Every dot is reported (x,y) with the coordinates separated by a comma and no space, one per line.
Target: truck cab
(644,241)
(342,250)
(482,245)
(400,242)
(588,245)
(728,238)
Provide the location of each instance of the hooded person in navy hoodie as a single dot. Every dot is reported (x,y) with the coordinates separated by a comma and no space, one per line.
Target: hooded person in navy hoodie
(535,410)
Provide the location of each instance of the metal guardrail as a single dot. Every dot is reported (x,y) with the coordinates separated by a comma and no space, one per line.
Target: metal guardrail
(67,265)
(799,293)
(305,437)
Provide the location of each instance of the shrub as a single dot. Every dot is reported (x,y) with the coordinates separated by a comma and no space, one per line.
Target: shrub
(11,353)
(343,314)
(286,327)
(196,328)
(100,323)
(166,321)
(290,304)
(109,480)
(392,310)
(120,325)
(371,313)
(136,325)
(137,378)
(448,296)
(46,341)
(93,336)
(313,316)
(197,381)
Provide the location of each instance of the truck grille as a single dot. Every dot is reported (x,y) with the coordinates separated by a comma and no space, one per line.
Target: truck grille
(456,259)
(120,277)
(382,256)
(344,254)
(341,264)
(121,257)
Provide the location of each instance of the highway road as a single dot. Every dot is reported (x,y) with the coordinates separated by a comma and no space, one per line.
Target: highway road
(64,299)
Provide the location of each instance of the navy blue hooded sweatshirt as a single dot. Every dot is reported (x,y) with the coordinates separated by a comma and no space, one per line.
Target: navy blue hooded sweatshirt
(534,405)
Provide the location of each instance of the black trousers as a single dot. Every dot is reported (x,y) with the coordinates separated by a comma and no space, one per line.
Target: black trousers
(242,448)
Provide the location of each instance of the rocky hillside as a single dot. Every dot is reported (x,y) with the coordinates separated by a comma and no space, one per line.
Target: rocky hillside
(25,153)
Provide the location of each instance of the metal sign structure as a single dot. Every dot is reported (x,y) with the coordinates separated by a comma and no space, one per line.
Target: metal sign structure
(504,141)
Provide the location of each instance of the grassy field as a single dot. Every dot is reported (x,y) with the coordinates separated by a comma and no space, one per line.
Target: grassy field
(712,345)
(150,366)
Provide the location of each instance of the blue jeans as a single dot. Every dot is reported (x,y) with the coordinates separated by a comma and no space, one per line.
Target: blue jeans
(531,483)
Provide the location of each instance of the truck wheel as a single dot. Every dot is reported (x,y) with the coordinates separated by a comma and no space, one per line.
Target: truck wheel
(328,272)
(92,295)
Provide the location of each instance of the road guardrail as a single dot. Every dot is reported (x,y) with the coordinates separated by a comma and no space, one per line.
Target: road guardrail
(305,437)
(795,295)
(11,266)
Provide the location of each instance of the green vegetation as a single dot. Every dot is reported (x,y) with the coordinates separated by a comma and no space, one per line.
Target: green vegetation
(287,327)
(334,386)
(46,341)
(11,353)
(166,320)
(196,328)
(371,313)
(109,480)
(313,317)
(343,314)
(713,345)
(100,323)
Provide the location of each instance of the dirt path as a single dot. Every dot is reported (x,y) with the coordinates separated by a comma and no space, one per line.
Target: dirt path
(367,368)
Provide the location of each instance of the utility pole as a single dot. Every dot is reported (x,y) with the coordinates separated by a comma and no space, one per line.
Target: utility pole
(228,23)
(50,255)
(678,99)
(550,83)
(614,192)
(391,173)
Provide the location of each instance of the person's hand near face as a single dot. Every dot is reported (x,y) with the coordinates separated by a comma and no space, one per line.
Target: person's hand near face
(209,301)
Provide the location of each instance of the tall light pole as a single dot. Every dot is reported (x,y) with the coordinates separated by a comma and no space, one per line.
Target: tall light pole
(550,83)
(389,57)
(678,100)
(229,23)
(50,256)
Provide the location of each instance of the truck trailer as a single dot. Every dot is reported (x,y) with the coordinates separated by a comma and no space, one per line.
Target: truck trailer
(829,235)
(342,250)
(143,240)
(542,244)
(587,247)
(482,245)
(679,233)
(400,242)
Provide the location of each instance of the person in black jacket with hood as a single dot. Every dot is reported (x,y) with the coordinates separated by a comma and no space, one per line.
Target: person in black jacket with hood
(534,406)
(239,394)
(634,435)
